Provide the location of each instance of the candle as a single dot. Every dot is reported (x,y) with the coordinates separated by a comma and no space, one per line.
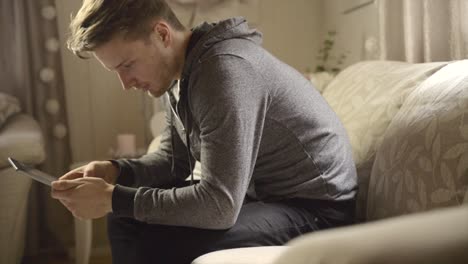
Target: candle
(126,145)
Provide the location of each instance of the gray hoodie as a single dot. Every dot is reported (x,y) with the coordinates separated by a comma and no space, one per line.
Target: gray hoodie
(258,128)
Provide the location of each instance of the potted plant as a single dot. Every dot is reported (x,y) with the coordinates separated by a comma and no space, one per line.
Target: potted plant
(328,64)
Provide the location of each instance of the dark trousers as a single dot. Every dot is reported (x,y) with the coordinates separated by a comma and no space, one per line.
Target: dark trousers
(258,224)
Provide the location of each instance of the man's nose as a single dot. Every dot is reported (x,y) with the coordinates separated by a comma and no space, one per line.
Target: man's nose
(126,82)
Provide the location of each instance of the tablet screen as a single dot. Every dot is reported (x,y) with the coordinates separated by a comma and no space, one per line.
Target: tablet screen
(31,172)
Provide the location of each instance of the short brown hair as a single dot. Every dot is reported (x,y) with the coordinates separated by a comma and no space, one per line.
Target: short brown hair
(99,20)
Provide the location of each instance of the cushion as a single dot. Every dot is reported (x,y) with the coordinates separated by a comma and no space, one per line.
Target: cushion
(321,80)
(423,159)
(252,255)
(366,96)
(9,106)
(21,138)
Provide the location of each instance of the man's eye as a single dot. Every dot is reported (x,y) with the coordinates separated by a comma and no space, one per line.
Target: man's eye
(127,66)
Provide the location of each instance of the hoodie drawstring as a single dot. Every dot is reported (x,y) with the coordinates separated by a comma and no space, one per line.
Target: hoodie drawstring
(172,102)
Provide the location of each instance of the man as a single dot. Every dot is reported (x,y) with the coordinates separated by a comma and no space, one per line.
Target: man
(275,160)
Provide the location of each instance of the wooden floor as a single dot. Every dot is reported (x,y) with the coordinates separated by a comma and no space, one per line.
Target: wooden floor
(64,259)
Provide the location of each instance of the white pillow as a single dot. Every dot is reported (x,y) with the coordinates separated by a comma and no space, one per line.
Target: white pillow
(9,106)
(321,80)
(366,96)
(423,160)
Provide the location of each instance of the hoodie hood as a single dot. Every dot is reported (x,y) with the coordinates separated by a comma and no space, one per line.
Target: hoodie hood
(209,34)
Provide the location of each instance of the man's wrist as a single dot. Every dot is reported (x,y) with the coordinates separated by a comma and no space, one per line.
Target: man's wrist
(114,171)
(109,192)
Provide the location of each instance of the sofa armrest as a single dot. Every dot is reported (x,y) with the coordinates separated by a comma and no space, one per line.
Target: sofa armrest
(21,138)
(439,236)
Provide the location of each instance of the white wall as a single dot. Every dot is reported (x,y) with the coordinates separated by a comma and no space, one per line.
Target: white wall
(292,30)
(353,29)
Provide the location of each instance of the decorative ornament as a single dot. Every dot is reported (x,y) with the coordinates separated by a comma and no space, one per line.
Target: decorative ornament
(48,12)
(60,131)
(52,106)
(52,45)
(47,75)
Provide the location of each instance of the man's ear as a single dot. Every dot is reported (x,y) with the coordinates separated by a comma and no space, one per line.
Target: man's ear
(162,31)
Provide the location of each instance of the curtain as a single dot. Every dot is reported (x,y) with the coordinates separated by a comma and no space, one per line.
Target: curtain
(423,30)
(31,70)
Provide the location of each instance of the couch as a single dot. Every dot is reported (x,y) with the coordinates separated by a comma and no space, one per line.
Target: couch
(408,127)
(20,137)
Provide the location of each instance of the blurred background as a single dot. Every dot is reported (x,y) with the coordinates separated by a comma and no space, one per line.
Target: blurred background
(80,112)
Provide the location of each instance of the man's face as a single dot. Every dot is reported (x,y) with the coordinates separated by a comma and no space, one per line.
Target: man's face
(144,64)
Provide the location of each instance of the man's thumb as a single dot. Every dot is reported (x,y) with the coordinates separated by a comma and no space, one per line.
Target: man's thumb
(88,173)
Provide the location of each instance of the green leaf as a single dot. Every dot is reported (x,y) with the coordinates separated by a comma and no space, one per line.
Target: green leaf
(319,68)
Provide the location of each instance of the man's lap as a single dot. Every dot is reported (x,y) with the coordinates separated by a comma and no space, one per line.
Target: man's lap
(258,224)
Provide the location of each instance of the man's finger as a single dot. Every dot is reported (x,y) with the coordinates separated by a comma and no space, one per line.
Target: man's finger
(60,195)
(62,185)
(74,174)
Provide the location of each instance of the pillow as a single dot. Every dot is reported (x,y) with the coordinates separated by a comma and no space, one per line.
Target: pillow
(423,159)
(22,139)
(321,80)
(366,96)
(9,106)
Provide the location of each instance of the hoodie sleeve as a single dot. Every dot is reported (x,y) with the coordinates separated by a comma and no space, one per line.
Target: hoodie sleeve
(153,169)
(230,108)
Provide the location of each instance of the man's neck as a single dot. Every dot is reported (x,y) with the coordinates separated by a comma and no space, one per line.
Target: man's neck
(182,38)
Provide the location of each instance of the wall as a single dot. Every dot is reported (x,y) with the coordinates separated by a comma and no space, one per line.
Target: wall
(292,30)
(353,29)
(98,109)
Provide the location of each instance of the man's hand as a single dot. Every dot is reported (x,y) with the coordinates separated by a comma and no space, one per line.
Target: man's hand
(85,198)
(100,169)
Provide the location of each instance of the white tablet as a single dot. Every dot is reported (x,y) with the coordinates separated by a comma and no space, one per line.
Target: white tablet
(31,172)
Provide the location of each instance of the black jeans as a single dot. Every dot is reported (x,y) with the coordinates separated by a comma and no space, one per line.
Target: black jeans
(258,224)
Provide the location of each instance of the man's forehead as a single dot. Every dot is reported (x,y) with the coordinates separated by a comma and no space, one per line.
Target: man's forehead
(112,53)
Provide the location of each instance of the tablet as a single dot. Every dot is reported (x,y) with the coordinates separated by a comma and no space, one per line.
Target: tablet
(31,172)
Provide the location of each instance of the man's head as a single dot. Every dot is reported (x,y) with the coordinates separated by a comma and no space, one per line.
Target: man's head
(141,40)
